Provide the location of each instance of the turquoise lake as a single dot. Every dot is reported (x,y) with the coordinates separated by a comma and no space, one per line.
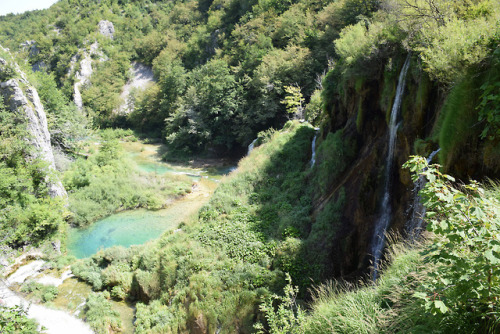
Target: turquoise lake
(139,226)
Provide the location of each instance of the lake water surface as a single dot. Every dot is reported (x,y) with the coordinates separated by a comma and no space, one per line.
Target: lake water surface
(139,226)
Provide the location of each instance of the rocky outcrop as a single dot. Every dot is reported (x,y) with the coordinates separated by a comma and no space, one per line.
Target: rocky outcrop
(33,51)
(54,321)
(106,28)
(142,77)
(82,77)
(31,47)
(22,99)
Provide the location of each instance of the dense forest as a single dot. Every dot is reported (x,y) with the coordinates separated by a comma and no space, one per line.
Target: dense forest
(367,139)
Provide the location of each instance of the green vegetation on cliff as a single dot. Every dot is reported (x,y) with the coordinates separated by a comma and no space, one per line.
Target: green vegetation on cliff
(27,212)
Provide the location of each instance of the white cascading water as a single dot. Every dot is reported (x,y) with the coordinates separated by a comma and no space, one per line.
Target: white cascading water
(381,225)
(251,146)
(416,223)
(313,147)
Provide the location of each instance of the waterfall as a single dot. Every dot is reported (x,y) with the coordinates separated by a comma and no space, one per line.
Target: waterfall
(313,148)
(381,225)
(416,222)
(252,145)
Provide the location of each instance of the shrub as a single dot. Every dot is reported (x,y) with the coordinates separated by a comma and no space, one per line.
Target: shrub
(13,320)
(44,293)
(466,250)
(100,314)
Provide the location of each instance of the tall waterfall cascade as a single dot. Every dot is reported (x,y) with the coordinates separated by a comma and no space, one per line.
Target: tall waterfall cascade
(381,225)
(313,148)
(416,223)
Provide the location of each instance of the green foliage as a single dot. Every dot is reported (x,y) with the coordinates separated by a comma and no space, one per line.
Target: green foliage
(100,315)
(314,108)
(466,43)
(254,48)
(40,292)
(288,318)
(27,212)
(488,109)
(333,157)
(384,307)
(7,72)
(363,42)
(451,36)
(107,182)
(66,123)
(293,100)
(214,273)
(456,117)
(466,250)
(206,112)
(13,320)
(102,95)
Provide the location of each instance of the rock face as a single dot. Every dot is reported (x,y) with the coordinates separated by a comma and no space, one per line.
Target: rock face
(142,77)
(362,117)
(23,99)
(82,77)
(31,47)
(106,29)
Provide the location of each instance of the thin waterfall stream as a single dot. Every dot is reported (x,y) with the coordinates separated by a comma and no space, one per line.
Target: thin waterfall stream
(416,223)
(381,225)
(313,147)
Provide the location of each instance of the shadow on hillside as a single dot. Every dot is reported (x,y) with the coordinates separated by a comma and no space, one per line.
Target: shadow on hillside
(283,197)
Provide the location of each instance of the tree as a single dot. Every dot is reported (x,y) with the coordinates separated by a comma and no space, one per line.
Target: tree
(205,113)
(293,100)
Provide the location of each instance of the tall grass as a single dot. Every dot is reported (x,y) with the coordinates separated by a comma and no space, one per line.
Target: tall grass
(367,307)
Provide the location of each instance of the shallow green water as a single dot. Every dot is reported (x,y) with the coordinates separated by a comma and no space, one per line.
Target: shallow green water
(139,226)
(124,229)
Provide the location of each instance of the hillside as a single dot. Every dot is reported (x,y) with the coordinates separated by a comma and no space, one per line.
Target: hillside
(335,97)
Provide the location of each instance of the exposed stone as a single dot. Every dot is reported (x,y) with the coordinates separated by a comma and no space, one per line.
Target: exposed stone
(31,47)
(142,77)
(82,77)
(106,28)
(26,104)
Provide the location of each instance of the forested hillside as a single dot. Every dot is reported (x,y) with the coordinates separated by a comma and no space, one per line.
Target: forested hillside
(222,67)
(346,106)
